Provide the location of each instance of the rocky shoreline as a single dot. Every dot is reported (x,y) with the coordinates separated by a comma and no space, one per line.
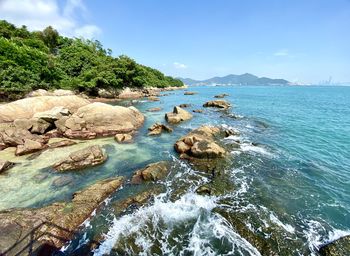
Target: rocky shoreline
(28,126)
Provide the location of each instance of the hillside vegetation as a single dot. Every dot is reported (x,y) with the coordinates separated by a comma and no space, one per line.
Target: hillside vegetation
(47,60)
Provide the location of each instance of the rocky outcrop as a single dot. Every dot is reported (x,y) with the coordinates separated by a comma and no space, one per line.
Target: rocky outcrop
(151,172)
(200,143)
(158,128)
(47,229)
(123,138)
(217,104)
(5,165)
(29,146)
(178,115)
(58,92)
(26,108)
(127,93)
(219,96)
(100,119)
(83,158)
(190,93)
(339,247)
(108,94)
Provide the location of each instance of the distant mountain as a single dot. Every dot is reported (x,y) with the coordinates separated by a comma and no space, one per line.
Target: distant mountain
(245,79)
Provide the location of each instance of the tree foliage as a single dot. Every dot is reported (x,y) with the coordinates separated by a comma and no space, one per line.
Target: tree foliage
(45,59)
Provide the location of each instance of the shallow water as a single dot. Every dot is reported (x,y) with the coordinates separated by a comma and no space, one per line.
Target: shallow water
(291,178)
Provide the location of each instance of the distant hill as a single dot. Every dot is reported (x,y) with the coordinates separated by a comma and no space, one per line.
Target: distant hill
(245,79)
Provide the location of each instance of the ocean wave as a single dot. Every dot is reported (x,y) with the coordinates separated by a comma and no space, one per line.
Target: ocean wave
(248,147)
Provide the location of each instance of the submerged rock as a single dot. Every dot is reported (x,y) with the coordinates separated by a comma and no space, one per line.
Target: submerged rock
(100,119)
(217,104)
(158,128)
(5,165)
(153,98)
(62,181)
(219,96)
(151,172)
(120,138)
(190,93)
(52,226)
(83,158)
(178,115)
(154,109)
(185,105)
(198,110)
(339,247)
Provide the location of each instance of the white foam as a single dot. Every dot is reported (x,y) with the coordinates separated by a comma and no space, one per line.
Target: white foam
(286,227)
(248,147)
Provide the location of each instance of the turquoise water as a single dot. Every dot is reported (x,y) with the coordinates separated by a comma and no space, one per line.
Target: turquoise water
(291,178)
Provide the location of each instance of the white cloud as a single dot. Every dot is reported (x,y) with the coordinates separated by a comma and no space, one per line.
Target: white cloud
(281,53)
(38,14)
(178,65)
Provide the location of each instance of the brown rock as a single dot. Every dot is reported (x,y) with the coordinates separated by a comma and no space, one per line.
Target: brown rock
(190,93)
(151,172)
(53,114)
(23,123)
(83,158)
(178,115)
(339,247)
(158,128)
(128,94)
(39,126)
(153,98)
(62,143)
(126,138)
(185,105)
(154,109)
(198,111)
(217,104)
(29,146)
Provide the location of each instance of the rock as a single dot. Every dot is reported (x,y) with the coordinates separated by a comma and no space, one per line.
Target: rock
(57,92)
(198,111)
(158,128)
(62,92)
(23,123)
(51,226)
(200,143)
(26,108)
(100,119)
(12,137)
(39,126)
(153,98)
(217,104)
(128,94)
(5,165)
(39,92)
(120,138)
(62,143)
(185,105)
(151,172)
(339,247)
(53,114)
(62,181)
(154,109)
(29,146)
(190,93)
(178,115)
(83,158)
(109,94)
(219,96)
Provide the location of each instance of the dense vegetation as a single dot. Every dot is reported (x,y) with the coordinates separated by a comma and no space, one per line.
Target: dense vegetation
(47,60)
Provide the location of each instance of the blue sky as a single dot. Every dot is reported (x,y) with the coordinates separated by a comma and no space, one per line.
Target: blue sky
(299,40)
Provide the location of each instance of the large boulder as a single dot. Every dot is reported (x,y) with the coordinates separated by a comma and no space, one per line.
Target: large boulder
(158,128)
(151,172)
(339,247)
(51,226)
(12,137)
(108,94)
(52,114)
(100,119)
(83,158)
(26,108)
(178,115)
(127,93)
(217,104)
(200,143)
(57,92)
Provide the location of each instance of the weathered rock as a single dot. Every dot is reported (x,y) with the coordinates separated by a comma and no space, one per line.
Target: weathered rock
(190,93)
(200,143)
(29,146)
(62,181)
(23,123)
(83,158)
(185,105)
(154,109)
(104,93)
(53,114)
(5,165)
(26,108)
(151,172)
(62,143)
(58,92)
(100,119)
(198,111)
(128,94)
(158,128)
(153,98)
(11,137)
(178,115)
(51,226)
(120,138)
(39,126)
(219,96)
(217,104)
(339,247)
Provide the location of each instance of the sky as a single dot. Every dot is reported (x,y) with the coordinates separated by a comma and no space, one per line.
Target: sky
(303,41)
